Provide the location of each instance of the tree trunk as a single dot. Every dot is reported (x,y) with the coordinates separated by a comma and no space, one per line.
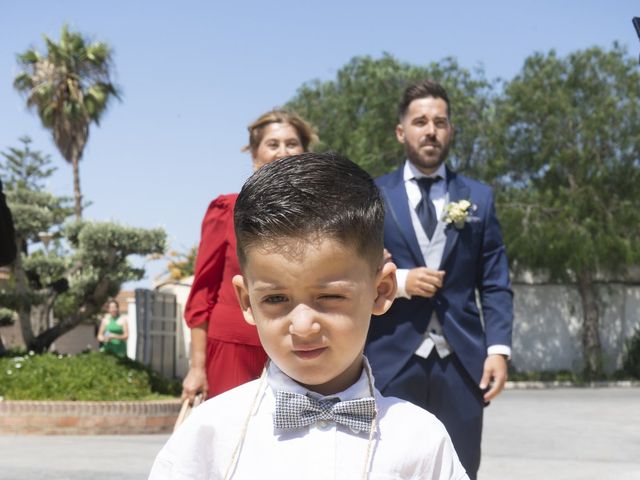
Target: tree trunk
(44,311)
(75,162)
(89,307)
(43,342)
(22,292)
(591,347)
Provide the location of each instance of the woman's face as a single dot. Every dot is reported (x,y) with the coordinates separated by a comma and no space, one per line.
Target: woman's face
(278,140)
(113,309)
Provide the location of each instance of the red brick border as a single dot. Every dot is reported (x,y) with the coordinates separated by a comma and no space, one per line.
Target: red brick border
(90,418)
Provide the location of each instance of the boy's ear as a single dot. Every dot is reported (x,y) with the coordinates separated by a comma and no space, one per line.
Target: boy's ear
(386,288)
(242,293)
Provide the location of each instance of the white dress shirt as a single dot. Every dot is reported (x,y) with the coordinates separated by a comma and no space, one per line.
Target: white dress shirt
(434,336)
(409,443)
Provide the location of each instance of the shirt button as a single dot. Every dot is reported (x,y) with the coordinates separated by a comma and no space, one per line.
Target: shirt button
(322,424)
(355,430)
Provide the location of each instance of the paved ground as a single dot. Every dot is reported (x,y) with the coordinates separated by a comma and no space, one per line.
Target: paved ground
(561,434)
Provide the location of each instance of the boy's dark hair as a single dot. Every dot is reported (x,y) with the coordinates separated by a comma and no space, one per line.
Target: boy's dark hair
(322,194)
(424,89)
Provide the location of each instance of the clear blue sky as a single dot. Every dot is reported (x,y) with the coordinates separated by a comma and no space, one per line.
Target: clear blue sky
(195,73)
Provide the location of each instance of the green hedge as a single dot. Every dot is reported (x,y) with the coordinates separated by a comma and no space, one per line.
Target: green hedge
(87,376)
(566,376)
(631,360)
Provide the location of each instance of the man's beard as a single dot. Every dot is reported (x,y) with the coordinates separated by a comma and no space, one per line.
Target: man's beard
(423,163)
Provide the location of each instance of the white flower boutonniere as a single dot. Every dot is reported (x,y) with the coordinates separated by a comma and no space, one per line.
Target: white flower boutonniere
(459,213)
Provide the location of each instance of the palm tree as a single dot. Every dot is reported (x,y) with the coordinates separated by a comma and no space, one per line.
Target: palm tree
(69,87)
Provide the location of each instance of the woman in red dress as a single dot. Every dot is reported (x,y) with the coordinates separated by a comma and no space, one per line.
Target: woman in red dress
(225,350)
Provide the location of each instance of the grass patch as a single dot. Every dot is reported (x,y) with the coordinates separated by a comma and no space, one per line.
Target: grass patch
(88,376)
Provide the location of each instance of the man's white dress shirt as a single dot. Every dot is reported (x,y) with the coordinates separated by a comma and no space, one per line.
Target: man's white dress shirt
(410,443)
(434,336)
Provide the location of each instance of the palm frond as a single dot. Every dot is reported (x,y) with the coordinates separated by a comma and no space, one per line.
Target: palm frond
(23,81)
(70,87)
(28,57)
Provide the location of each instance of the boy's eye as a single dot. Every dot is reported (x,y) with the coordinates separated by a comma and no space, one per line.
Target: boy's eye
(332,297)
(275,299)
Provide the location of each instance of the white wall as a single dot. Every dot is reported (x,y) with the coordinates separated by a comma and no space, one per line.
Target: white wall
(547,325)
(132,323)
(548,320)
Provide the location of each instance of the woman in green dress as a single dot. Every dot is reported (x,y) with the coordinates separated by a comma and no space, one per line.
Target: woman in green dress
(114,331)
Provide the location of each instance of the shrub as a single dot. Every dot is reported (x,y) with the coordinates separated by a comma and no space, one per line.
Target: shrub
(544,376)
(7,317)
(87,376)
(631,360)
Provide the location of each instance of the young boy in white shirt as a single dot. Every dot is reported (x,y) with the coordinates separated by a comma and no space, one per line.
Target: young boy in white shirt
(309,234)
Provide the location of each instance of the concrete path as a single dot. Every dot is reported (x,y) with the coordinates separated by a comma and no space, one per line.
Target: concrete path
(560,434)
(61,457)
(563,434)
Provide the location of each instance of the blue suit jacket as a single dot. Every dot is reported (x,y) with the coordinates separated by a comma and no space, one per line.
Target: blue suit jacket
(474,258)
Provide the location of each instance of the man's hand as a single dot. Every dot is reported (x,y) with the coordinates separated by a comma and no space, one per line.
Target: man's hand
(424,282)
(494,375)
(195,382)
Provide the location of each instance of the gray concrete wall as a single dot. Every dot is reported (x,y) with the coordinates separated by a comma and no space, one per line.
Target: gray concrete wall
(548,320)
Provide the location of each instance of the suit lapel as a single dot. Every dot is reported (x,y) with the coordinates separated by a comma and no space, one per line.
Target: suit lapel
(398,202)
(457,191)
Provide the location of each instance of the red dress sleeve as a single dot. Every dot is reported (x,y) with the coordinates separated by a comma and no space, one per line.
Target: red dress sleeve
(213,298)
(209,261)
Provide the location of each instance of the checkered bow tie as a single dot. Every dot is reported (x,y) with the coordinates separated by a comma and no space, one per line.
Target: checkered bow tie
(294,410)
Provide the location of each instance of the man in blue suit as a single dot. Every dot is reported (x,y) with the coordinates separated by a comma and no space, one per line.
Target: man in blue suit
(445,342)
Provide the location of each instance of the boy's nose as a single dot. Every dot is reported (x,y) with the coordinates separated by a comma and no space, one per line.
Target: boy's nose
(303,322)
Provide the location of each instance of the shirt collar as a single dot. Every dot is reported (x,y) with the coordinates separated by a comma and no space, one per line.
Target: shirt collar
(411,172)
(278,380)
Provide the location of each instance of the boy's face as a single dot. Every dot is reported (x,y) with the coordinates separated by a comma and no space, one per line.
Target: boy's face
(311,303)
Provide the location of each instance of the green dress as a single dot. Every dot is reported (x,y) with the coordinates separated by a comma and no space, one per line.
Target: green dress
(115,345)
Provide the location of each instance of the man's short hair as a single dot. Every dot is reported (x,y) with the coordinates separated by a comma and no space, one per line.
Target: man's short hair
(321,195)
(424,89)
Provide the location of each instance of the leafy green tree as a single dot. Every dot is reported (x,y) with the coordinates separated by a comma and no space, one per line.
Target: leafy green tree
(70,88)
(26,168)
(566,153)
(64,272)
(356,113)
